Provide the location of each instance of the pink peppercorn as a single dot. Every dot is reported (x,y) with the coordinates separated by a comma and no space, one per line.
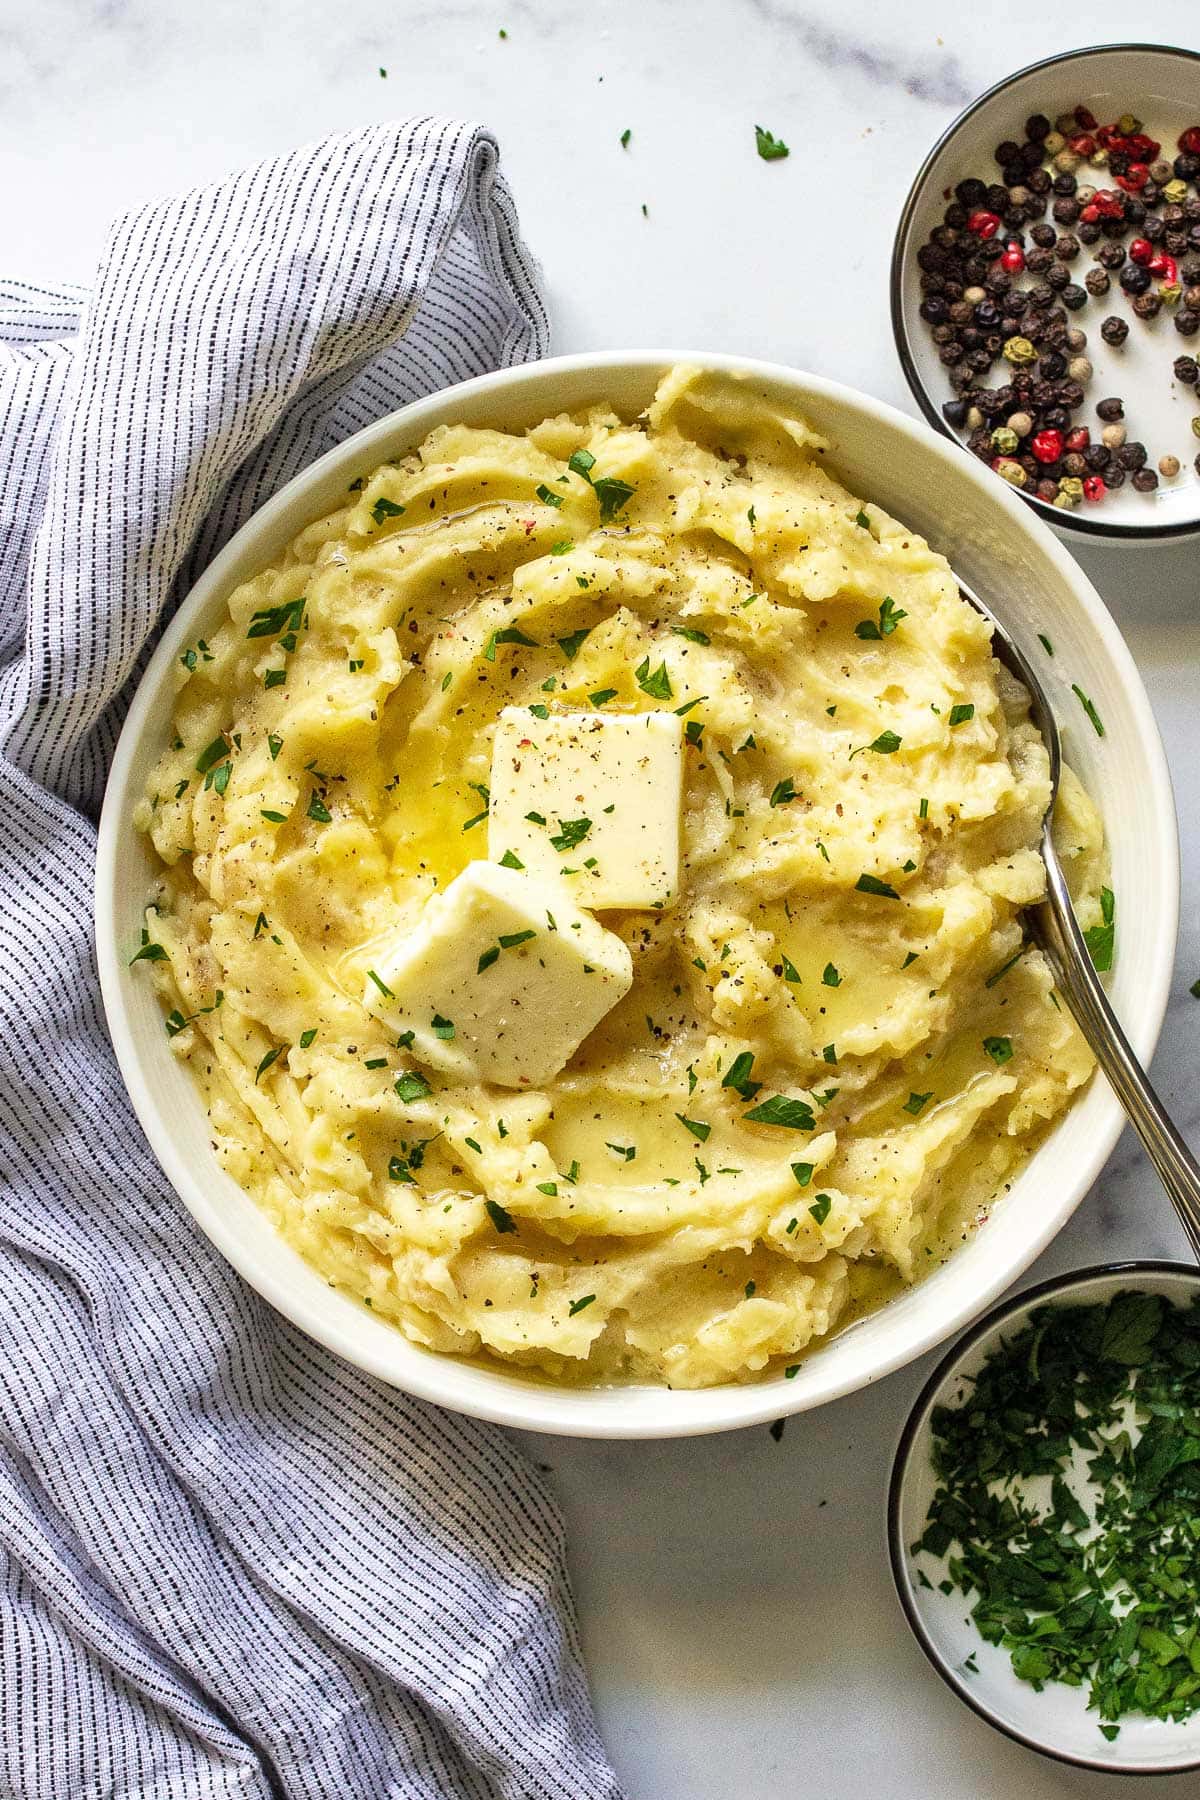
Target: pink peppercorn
(1135,178)
(1047,446)
(1141,251)
(1077,440)
(1093,488)
(984,224)
(1189,141)
(1012,261)
(1163,265)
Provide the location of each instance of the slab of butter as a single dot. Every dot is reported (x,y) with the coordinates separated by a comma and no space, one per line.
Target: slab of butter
(500,980)
(592,799)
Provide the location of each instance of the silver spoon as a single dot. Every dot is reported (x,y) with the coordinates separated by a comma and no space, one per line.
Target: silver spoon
(1056,932)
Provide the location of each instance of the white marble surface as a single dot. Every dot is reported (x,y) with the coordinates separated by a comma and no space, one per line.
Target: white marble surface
(737,1613)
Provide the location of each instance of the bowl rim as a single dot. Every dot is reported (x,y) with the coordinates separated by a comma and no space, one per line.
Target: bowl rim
(518,1404)
(1005,1309)
(1085,525)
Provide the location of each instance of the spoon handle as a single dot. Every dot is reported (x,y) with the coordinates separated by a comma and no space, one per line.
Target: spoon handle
(1059,936)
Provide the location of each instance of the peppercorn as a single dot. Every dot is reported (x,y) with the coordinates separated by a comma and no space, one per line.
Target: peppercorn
(1047,446)
(1111,255)
(1046,490)
(1078,438)
(1110,409)
(1056,418)
(1187,321)
(1114,477)
(1097,456)
(1186,167)
(1187,370)
(1170,293)
(1147,306)
(1021,423)
(1074,464)
(1191,296)
(1038,181)
(1134,280)
(1076,340)
(1019,350)
(1005,440)
(1160,171)
(1080,369)
(1089,231)
(1189,273)
(1114,436)
(1196,464)
(971,193)
(1066,501)
(1038,260)
(1114,331)
(1037,127)
(1145,481)
(1073,296)
(954,412)
(1132,455)
(1096,282)
(1094,488)
(1196,427)
(1010,471)
(1168,466)
(1070,393)
(1065,210)
(1153,227)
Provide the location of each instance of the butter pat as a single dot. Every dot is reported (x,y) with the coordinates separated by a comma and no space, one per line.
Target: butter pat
(500,980)
(592,800)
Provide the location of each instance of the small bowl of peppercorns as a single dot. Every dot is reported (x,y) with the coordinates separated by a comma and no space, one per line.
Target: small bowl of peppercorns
(1046,288)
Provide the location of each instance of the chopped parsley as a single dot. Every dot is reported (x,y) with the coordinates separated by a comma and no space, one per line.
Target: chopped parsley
(1100,939)
(318,810)
(272,621)
(577,1306)
(442,1028)
(769,147)
(1044,641)
(501,1219)
(613,495)
(570,833)
(890,616)
(961,713)
(413,1086)
(658,684)
(307,1037)
(693,636)
(738,1075)
(886,744)
(1094,1587)
(803,1172)
(581,463)
(1000,1049)
(149,952)
(268,1059)
(870,884)
(916,1103)
(385,509)
(510,860)
(697,1127)
(625,137)
(783,792)
(830,976)
(382,985)
(548,494)
(780,1109)
(820,1208)
(601,695)
(571,644)
(1089,708)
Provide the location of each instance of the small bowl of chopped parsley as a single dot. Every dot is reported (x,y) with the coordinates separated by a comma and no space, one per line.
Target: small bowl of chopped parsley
(1044,1518)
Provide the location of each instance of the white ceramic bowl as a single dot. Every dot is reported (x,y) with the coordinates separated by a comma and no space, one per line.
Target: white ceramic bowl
(1160,85)
(1055,1721)
(1003,551)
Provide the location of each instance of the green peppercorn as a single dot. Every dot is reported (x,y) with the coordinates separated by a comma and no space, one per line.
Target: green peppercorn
(1020,350)
(1004,441)
(1012,472)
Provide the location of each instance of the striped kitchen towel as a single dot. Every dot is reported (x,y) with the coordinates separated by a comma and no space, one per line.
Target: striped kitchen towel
(232,1565)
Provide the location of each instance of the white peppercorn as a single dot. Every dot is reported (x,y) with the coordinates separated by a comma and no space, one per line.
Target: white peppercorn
(1021,423)
(1113,436)
(1168,466)
(1079,369)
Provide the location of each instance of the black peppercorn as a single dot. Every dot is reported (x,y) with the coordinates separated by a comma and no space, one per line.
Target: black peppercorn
(1074,464)
(1065,210)
(1147,306)
(1187,322)
(1096,282)
(1111,255)
(1131,456)
(1031,157)
(1175,242)
(1134,279)
(955,412)
(979,361)
(1044,236)
(950,353)
(1135,212)
(934,309)
(1041,297)
(1037,127)
(1070,393)
(1067,247)
(1065,184)
(987,315)
(1052,366)
(1097,457)
(956,215)
(1038,181)
(1110,410)
(1145,481)
(1152,227)
(997,198)
(1187,166)
(971,194)
(1088,231)
(943,333)
(1196,464)
(1114,331)
(1007,152)
(1187,370)
(1056,418)
(1038,259)
(1073,296)
(1057,275)
(1151,193)
(1189,273)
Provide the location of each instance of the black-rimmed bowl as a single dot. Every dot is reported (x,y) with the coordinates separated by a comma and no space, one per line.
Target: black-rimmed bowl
(1160,85)
(1055,1721)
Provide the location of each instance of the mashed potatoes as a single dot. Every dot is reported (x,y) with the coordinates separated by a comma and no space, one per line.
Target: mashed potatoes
(835,1052)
